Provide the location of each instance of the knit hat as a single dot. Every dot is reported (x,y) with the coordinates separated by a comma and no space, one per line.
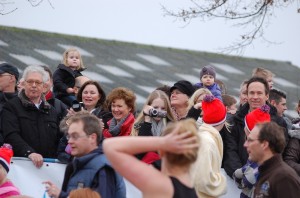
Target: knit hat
(258,115)
(8,68)
(214,111)
(208,70)
(184,86)
(6,153)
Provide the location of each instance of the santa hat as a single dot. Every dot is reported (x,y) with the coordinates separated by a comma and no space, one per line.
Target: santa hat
(258,115)
(6,153)
(214,111)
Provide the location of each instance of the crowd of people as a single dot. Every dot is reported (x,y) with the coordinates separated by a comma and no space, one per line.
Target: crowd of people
(174,147)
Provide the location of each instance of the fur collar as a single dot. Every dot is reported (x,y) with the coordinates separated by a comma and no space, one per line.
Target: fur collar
(27,103)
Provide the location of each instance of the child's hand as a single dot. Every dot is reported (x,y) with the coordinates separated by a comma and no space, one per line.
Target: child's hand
(52,189)
(70,90)
(198,105)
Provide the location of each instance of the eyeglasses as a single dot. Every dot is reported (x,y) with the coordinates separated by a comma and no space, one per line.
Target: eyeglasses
(5,75)
(75,136)
(31,82)
(249,140)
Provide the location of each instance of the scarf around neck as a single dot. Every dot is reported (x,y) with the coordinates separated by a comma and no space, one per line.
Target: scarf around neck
(157,127)
(114,128)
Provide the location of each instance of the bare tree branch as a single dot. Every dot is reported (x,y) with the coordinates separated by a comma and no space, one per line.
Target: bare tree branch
(9,6)
(245,14)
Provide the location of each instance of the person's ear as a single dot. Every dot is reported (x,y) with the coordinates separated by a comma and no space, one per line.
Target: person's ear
(265,145)
(272,102)
(94,136)
(76,89)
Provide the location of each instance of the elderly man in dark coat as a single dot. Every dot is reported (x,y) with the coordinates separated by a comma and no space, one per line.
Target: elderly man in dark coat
(29,122)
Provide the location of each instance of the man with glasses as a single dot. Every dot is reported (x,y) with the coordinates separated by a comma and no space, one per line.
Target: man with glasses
(265,144)
(90,168)
(9,75)
(29,122)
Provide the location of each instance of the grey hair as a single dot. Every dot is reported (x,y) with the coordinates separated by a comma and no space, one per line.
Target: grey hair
(37,69)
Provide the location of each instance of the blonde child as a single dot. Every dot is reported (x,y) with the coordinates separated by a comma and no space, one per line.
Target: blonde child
(265,74)
(65,74)
(7,188)
(207,80)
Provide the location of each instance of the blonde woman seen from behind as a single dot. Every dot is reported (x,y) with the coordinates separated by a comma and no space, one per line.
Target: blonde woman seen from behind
(206,172)
(178,148)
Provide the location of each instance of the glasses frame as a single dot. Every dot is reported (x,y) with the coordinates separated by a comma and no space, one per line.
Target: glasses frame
(75,137)
(5,75)
(31,83)
(250,140)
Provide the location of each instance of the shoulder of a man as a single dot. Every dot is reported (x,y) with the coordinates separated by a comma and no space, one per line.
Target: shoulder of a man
(274,185)
(108,182)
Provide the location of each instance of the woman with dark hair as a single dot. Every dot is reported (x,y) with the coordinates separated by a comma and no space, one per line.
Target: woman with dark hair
(93,98)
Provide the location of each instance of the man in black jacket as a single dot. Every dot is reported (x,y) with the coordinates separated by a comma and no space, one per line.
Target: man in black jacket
(9,75)
(29,122)
(235,155)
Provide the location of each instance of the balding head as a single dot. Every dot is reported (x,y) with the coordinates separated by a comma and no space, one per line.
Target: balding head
(79,81)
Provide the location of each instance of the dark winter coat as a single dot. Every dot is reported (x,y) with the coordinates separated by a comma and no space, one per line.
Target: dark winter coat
(29,129)
(4,97)
(277,179)
(235,154)
(64,78)
(291,155)
(94,171)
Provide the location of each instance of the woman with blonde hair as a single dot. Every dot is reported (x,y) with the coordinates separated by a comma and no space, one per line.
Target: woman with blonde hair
(195,105)
(181,91)
(206,172)
(151,121)
(178,148)
(149,124)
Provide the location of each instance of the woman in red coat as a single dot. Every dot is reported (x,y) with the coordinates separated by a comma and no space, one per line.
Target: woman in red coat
(121,101)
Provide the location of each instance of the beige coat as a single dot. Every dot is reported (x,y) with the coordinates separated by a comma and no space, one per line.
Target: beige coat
(206,172)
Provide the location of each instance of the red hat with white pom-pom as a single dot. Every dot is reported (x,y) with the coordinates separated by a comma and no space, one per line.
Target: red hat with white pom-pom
(214,111)
(6,153)
(256,116)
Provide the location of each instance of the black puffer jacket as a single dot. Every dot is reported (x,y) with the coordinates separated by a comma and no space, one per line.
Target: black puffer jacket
(64,78)
(235,154)
(29,129)
(4,97)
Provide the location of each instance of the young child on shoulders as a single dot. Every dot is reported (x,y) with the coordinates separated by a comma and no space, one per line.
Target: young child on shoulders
(65,74)
(207,80)
(231,106)
(7,188)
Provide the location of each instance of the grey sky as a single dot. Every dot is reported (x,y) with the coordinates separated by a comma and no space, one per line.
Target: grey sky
(143,22)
